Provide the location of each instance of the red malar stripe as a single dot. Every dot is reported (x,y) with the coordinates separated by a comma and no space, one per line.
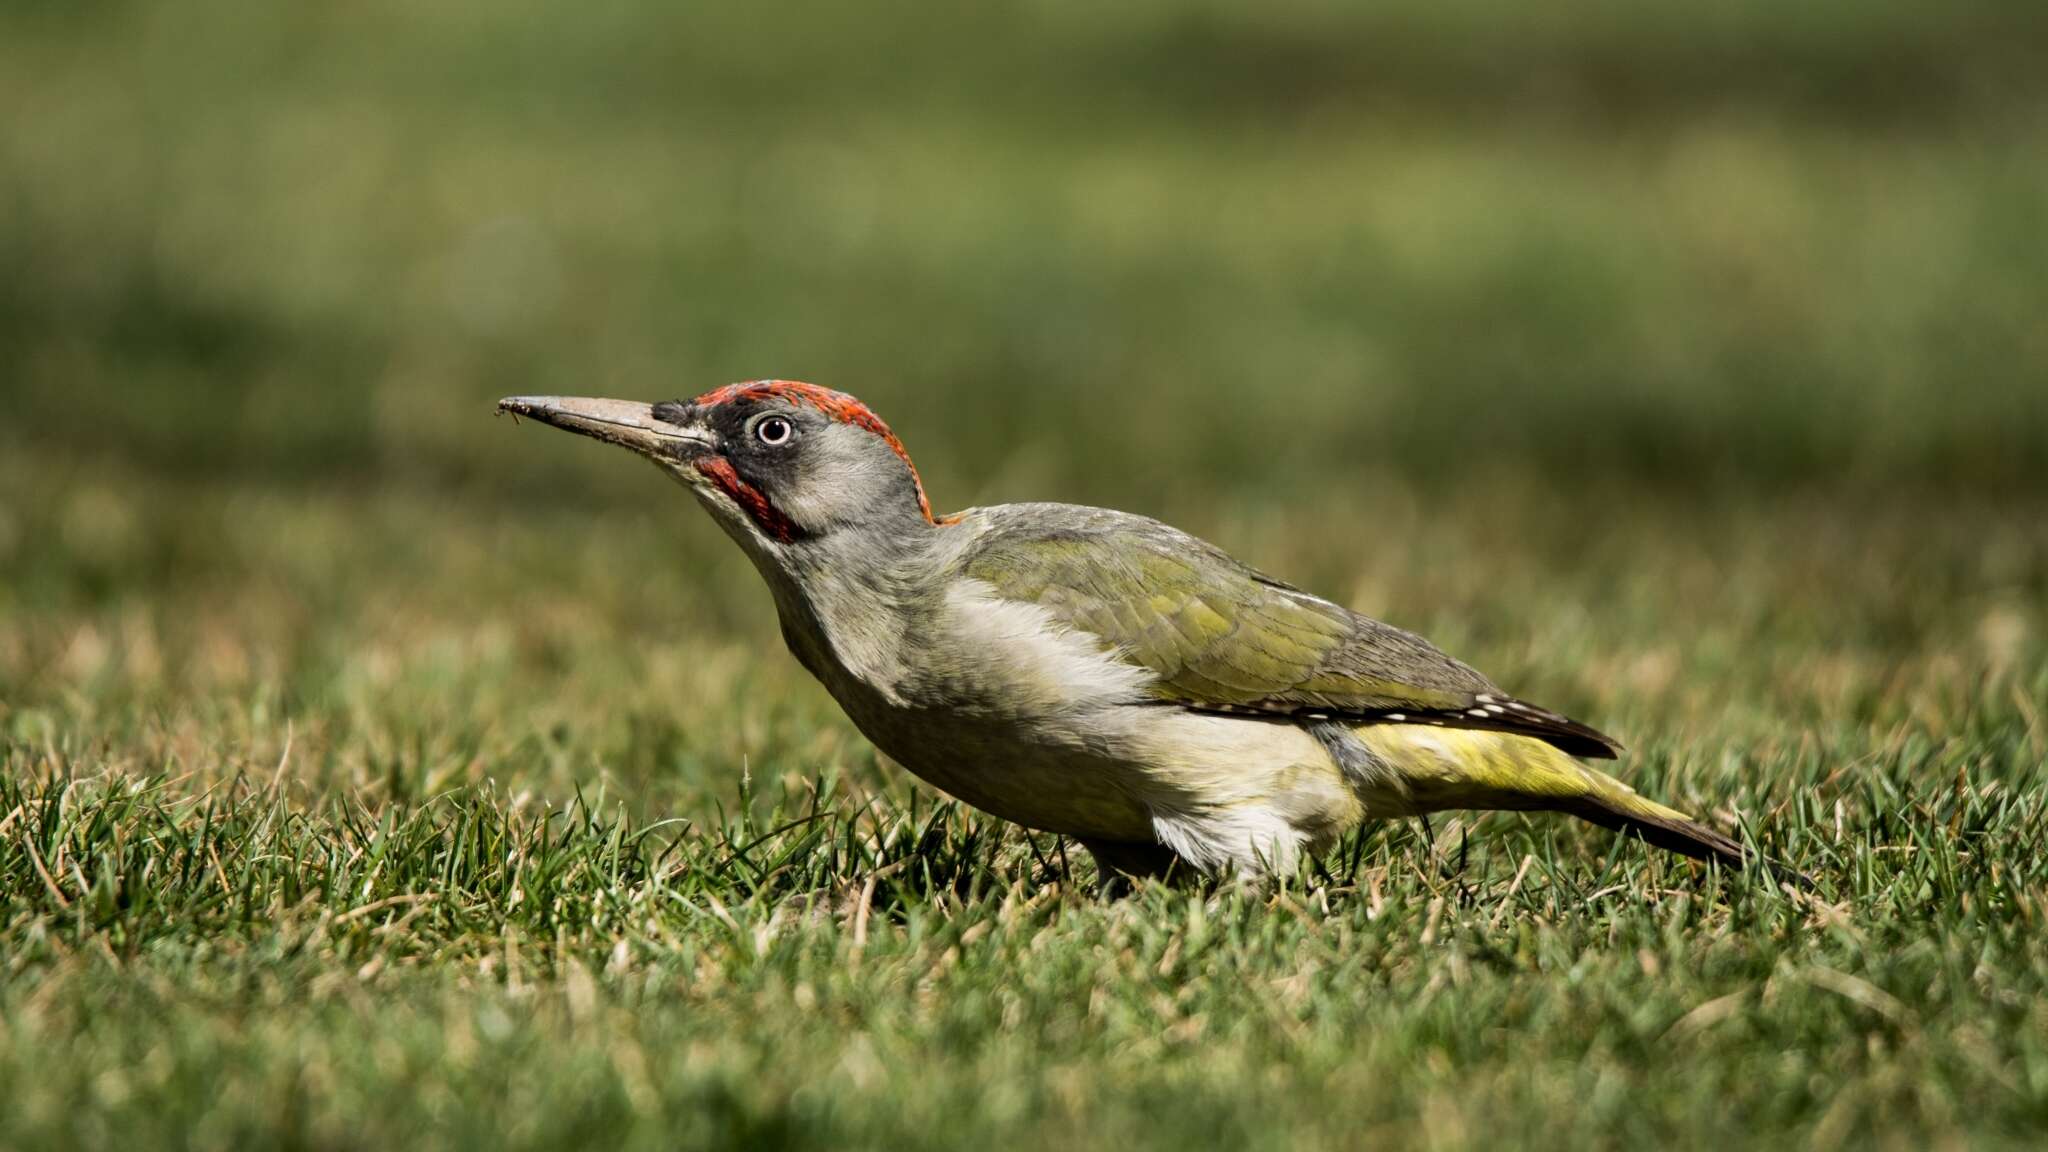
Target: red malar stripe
(767,515)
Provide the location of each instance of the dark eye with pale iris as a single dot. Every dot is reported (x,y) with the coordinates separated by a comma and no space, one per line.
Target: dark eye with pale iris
(773,431)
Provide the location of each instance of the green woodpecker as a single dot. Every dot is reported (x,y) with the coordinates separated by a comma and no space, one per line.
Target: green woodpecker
(1095,673)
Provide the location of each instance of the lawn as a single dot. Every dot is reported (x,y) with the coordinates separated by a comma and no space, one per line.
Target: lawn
(376,773)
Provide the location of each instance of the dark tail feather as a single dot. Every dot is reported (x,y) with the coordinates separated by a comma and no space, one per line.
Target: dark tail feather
(1628,813)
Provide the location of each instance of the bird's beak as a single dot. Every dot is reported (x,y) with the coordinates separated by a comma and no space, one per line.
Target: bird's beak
(627,423)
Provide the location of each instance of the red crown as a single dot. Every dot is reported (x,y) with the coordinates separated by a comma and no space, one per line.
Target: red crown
(837,405)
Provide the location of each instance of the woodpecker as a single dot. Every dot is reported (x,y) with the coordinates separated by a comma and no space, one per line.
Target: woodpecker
(1099,674)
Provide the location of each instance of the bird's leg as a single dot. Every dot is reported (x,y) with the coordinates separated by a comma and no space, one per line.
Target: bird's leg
(1120,864)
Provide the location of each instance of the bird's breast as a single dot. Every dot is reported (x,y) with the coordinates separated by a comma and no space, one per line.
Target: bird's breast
(998,704)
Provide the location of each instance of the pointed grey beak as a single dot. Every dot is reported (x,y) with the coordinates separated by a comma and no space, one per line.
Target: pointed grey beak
(627,423)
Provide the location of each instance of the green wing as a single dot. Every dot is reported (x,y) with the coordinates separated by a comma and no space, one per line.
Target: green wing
(1220,636)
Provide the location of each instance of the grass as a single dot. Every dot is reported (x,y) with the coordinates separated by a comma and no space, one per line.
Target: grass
(375,773)
(345,977)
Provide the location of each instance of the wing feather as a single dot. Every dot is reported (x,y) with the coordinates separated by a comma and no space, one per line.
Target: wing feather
(1220,636)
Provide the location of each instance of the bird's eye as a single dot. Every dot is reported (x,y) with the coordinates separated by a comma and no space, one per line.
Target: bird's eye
(773,431)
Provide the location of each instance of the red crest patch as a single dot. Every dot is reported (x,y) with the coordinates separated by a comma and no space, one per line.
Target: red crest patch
(839,406)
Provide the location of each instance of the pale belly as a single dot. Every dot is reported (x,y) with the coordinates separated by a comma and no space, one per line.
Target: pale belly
(1214,787)
(995,767)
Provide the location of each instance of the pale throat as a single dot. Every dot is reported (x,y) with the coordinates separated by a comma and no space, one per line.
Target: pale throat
(849,602)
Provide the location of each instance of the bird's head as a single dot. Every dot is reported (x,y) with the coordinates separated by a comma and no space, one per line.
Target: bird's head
(779,464)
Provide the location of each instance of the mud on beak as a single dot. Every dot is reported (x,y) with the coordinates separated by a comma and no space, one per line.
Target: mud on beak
(627,423)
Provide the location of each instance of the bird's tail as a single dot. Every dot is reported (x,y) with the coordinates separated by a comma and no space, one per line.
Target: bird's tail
(1440,769)
(1614,805)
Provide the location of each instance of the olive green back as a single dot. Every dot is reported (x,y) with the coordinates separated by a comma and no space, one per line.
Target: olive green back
(1219,635)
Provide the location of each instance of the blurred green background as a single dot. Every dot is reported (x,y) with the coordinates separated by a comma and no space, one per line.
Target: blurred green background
(1130,252)
(1684,366)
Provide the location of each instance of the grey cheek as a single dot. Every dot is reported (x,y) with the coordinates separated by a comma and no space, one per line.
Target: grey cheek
(840,479)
